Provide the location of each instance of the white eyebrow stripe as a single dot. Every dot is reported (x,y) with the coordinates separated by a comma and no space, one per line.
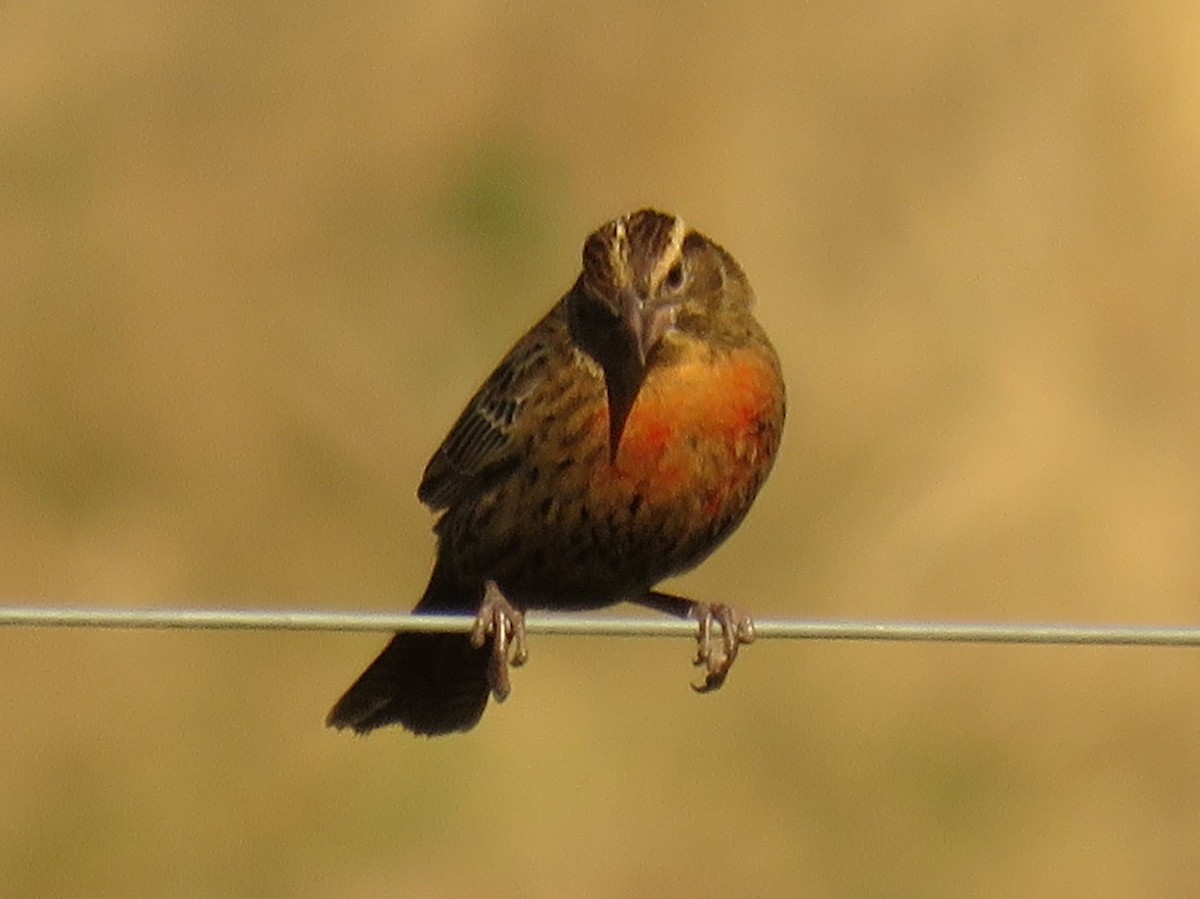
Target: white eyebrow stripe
(618,250)
(670,254)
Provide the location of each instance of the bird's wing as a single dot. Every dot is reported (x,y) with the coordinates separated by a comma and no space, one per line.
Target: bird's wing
(481,447)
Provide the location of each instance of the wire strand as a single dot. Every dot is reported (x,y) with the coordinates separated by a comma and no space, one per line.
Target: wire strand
(570,625)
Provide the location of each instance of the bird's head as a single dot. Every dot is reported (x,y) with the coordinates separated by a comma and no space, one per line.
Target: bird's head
(646,277)
(635,275)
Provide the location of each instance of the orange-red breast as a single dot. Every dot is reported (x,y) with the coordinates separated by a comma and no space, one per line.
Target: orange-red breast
(619,442)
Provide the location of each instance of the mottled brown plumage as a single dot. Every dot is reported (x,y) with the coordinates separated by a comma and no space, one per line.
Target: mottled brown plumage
(618,442)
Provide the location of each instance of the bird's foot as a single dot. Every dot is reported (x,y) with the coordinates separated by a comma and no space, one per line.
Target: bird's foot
(505,624)
(717,657)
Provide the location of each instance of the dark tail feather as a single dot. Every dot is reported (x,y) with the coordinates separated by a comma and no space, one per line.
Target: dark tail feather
(429,683)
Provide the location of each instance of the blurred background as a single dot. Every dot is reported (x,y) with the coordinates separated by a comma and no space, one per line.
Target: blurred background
(257,256)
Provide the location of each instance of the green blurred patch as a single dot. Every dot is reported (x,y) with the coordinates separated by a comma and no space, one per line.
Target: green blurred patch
(497,214)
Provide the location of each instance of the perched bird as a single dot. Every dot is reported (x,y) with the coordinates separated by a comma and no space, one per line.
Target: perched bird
(619,442)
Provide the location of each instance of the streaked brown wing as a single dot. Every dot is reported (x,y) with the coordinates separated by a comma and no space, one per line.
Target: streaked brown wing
(480,449)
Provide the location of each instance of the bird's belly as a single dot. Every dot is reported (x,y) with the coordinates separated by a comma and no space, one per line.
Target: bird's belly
(695,449)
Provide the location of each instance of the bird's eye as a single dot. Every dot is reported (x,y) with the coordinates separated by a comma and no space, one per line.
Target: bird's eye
(674,279)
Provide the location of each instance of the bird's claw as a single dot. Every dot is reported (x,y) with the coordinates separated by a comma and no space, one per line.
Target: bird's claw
(505,624)
(717,658)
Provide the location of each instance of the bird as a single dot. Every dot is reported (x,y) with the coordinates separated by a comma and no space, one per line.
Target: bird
(619,442)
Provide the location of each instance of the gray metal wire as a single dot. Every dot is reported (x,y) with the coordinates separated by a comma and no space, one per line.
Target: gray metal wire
(575,625)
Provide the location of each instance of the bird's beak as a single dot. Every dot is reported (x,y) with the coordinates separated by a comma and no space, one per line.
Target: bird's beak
(641,326)
(644,323)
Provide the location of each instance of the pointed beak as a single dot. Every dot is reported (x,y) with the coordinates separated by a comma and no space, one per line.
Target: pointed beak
(633,318)
(644,324)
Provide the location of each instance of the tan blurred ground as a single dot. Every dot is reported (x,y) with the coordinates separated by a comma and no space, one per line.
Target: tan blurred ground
(256,256)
